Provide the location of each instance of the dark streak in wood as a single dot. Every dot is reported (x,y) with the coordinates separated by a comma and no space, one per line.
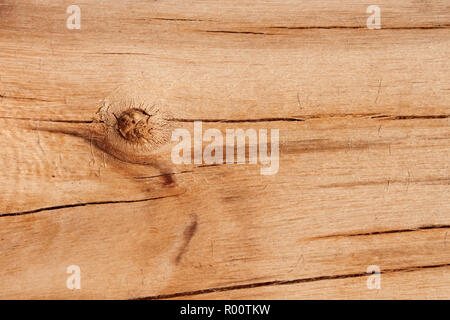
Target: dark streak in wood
(187,237)
(24,98)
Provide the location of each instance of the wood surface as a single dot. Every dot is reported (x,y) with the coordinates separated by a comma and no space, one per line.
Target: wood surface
(363,119)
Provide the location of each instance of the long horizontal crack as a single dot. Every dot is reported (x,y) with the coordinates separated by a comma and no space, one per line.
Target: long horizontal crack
(47,120)
(361,27)
(411,117)
(439,26)
(289,282)
(238,32)
(373,233)
(122,53)
(179,19)
(73,205)
(238,120)
(172,19)
(443,26)
(312,117)
(269,119)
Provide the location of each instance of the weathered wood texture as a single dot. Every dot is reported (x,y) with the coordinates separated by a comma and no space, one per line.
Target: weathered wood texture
(364,150)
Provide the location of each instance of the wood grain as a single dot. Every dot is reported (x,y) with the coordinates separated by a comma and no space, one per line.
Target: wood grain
(364,175)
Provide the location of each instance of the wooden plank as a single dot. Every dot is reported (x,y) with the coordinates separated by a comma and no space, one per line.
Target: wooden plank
(363,173)
(191,69)
(231,246)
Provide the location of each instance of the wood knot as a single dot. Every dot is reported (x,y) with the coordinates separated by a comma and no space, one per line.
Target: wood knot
(135,125)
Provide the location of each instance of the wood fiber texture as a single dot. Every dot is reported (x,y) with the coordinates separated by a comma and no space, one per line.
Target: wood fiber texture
(364,146)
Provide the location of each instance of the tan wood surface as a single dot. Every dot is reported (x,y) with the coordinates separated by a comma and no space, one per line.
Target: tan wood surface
(363,178)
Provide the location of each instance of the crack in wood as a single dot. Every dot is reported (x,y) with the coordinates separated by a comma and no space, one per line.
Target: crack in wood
(47,120)
(237,120)
(374,233)
(439,26)
(74,205)
(412,117)
(289,282)
(361,27)
(238,32)
(371,116)
(178,19)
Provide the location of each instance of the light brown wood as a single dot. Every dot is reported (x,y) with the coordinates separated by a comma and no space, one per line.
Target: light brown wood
(363,119)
